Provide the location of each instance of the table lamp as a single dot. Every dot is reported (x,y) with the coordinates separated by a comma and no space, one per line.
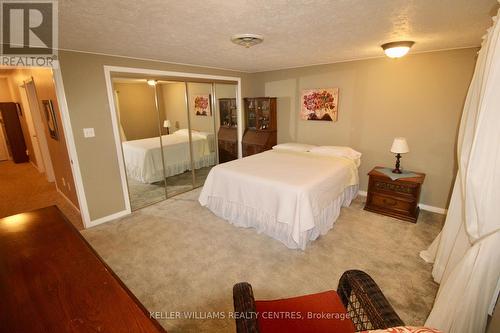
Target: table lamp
(166,124)
(399,146)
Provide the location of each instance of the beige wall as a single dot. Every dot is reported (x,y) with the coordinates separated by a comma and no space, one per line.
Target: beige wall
(138,114)
(45,90)
(174,105)
(85,90)
(419,97)
(5,95)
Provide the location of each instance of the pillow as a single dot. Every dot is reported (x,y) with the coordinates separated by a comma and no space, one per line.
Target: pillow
(294,146)
(337,151)
(405,329)
(182,131)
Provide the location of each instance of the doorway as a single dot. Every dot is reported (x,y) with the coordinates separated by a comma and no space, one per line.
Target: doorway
(166,128)
(39,174)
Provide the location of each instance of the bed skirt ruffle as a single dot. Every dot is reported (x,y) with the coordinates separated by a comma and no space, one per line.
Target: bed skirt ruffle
(171,169)
(248,217)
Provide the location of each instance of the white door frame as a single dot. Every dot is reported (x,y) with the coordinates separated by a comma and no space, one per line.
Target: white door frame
(40,164)
(70,143)
(116,129)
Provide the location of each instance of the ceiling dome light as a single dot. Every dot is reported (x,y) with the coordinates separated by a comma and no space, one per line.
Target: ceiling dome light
(152,82)
(397,49)
(247,40)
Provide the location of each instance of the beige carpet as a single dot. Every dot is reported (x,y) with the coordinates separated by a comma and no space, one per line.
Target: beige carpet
(23,188)
(178,256)
(142,195)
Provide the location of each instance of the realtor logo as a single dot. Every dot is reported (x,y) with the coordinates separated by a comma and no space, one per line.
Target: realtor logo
(29,33)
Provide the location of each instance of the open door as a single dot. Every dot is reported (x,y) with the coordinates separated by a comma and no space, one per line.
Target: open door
(39,139)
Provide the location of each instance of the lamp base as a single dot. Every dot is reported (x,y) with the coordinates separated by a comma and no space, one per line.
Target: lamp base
(397,169)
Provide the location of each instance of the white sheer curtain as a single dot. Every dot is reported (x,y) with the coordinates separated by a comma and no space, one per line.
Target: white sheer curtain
(466,254)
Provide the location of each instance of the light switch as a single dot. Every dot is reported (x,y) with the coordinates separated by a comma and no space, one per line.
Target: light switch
(88,132)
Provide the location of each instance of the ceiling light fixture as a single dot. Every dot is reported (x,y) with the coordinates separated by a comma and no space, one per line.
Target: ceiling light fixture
(152,82)
(247,40)
(397,49)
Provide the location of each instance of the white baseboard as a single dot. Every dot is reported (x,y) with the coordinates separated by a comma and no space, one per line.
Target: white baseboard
(108,218)
(433,209)
(67,199)
(428,208)
(362,193)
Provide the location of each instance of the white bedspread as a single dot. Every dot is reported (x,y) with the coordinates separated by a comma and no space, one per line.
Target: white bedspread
(292,197)
(143,157)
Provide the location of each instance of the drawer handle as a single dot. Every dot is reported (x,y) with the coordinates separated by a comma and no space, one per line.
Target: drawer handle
(390,202)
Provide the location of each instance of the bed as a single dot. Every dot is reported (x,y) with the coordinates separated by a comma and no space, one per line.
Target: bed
(143,157)
(291,196)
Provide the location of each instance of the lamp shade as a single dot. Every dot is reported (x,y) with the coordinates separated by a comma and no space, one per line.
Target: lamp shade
(166,123)
(400,146)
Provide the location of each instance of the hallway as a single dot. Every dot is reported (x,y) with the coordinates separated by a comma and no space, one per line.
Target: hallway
(23,188)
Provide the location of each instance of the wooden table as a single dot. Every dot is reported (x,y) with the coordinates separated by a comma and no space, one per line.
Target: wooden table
(396,198)
(51,280)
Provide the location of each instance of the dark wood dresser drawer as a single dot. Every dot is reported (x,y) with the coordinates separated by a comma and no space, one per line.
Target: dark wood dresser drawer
(396,198)
(395,187)
(392,203)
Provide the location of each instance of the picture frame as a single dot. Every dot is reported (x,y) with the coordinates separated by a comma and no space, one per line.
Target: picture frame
(319,104)
(200,105)
(51,118)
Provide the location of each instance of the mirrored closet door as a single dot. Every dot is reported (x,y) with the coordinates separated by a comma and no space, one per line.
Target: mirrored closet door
(177,141)
(138,121)
(169,131)
(201,97)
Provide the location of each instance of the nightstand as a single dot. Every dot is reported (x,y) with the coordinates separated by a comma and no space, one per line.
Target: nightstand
(396,198)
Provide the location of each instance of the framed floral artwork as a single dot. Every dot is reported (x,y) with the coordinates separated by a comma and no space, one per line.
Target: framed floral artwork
(319,104)
(200,104)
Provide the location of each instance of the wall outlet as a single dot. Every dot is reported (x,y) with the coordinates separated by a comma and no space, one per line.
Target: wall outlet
(88,132)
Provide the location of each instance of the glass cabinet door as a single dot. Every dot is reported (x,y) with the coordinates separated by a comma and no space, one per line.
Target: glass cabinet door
(251,113)
(264,113)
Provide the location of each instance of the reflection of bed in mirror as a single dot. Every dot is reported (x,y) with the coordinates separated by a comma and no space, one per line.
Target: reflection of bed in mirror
(143,157)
